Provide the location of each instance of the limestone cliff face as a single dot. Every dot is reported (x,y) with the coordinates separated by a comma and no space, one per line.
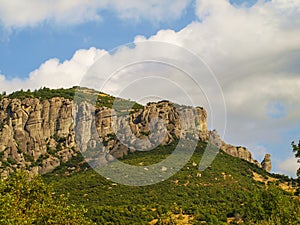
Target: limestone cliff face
(35,135)
(157,123)
(40,135)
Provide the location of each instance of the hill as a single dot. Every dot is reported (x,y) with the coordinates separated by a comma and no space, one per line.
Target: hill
(60,134)
(231,190)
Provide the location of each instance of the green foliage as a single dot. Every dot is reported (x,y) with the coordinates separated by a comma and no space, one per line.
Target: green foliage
(80,94)
(11,161)
(226,187)
(30,201)
(44,93)
(28,158)
(3,123)
(51,151)
(39,161)
(272,206)
(76,162)
(296,150)
(5,164)
(122,106)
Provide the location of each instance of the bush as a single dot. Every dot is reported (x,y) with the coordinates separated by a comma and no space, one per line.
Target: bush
(30,201)
(272,206)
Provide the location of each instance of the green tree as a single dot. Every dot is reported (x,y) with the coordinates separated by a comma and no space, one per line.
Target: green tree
(296,150)
(31,201)
(272,206)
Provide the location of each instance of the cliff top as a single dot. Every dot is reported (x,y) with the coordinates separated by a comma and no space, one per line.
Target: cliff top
(75,93)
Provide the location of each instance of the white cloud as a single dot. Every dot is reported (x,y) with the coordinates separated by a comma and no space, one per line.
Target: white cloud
(55,74)
(289,167)
(156,10)
(23,13)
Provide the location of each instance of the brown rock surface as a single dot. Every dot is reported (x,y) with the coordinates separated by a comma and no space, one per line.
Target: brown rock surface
(266,163)
(40,135)
(30,128)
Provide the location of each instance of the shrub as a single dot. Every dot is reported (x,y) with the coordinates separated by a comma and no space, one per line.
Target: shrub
(30,201)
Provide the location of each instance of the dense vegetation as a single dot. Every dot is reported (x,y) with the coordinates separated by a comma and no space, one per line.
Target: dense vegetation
(78,94)
(224,192)
(296,150)
(31,201)
(44,93)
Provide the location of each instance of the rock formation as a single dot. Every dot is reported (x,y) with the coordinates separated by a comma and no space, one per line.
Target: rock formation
(236,151)
(157,123)
(39,135)
(266,163)
(36,135)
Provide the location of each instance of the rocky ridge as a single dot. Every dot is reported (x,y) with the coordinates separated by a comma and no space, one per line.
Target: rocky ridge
(39,135)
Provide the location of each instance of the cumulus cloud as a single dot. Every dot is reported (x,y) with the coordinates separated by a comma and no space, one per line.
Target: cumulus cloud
(289,166)
(55,74)
(155,10)
(23,13)
(254,53)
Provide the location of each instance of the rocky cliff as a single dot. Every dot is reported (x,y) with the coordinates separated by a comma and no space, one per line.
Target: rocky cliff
(35,135)
(38,135)
(236,151)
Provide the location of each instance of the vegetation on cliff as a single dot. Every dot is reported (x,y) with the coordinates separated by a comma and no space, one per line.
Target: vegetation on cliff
(77,93)
(43,93)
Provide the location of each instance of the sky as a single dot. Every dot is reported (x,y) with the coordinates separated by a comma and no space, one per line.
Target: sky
(243,54)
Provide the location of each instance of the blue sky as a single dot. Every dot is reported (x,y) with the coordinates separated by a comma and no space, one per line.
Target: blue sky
(30,47)
(250,46)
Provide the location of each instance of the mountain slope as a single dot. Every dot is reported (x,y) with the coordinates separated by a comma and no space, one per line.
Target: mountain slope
(226,191)
(43,132)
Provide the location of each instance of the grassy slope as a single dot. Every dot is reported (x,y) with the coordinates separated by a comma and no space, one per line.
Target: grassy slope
(221,190)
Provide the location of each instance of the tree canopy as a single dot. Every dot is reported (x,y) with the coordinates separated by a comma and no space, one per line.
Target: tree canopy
(296,150)
(30,201)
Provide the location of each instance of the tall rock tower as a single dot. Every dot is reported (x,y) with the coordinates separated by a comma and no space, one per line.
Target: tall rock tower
(266,163)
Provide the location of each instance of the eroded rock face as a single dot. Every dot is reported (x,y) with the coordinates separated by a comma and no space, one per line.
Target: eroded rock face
(236,151)
(36,135)
(157,123)
(266,163)
(40,135)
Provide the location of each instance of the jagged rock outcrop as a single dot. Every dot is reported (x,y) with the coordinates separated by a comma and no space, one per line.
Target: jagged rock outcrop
(35,135)
(40,135)
(236,151)
(157,123)
(266,163)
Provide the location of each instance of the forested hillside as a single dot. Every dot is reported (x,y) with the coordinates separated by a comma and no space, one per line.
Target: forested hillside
(231,190)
